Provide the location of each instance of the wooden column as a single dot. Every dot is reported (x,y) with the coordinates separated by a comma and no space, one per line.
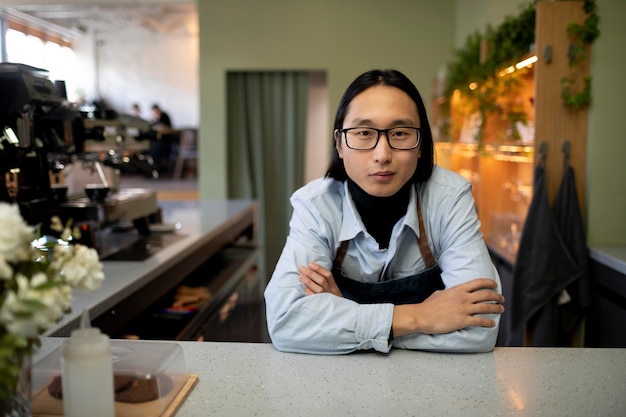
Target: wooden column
(555,122)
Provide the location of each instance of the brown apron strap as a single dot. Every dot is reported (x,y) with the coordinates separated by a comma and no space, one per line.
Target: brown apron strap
(422,240)
(341,253)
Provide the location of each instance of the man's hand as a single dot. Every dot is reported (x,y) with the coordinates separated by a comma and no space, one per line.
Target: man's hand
(450,309)
(317,279)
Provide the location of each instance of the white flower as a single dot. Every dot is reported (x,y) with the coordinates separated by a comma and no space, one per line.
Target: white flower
(37,277)
(55,224)
(80,267)
(15,234)
(14,323)
(55,300)
(6,272)
(67,233)
(34,307)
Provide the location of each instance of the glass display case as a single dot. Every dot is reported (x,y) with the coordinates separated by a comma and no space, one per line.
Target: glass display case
(494,151)
(489,133)
(501,178)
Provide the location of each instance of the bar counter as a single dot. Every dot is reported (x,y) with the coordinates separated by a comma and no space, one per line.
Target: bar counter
(201,228)
(240,379)
(612,257)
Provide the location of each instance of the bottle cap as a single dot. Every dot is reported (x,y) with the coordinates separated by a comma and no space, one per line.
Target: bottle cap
(86,342)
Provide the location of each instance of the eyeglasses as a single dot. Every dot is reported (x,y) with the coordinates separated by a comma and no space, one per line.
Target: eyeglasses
(365,138)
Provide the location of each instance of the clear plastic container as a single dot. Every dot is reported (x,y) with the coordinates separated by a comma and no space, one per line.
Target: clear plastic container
(148,375)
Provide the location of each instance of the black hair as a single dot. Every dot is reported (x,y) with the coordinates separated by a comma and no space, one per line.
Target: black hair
(393,78)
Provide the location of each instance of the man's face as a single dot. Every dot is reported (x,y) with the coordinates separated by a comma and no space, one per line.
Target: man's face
(381,171)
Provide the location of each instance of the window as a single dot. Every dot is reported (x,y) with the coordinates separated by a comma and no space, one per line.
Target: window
(39,50)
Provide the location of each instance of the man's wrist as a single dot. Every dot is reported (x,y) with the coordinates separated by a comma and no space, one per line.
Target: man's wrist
(403,321)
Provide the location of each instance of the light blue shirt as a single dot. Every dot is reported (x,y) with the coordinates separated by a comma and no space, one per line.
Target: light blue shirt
(324,215)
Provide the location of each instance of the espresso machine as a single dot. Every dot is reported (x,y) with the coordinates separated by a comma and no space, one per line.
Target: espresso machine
(46,168)
(30,114)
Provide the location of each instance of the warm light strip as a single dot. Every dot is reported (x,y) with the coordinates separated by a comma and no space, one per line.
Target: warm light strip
(526,62)
(513,158)
(514,148)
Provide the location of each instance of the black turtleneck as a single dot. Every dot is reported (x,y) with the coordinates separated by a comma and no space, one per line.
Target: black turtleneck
(380,214)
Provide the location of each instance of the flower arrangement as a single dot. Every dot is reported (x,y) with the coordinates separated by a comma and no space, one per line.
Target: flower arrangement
(36,280)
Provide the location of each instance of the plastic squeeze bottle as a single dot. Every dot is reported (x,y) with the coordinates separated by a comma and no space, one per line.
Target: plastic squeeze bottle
(87,373)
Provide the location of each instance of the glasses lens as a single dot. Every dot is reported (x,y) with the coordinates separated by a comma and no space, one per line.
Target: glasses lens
(364,138)
(361,138)
(403,137)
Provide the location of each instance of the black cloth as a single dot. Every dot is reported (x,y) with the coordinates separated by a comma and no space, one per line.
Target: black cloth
(410,290)
(568,220)
(546,266)
(380,214)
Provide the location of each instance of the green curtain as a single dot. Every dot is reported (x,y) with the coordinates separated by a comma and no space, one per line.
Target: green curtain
(267,114)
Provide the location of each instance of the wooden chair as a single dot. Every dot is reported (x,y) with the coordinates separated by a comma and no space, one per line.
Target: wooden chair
(187,151)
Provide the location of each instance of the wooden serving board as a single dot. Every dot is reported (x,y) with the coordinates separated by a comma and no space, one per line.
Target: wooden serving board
(44,405)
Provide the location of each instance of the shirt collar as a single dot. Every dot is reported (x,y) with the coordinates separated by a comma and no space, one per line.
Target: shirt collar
(410,220)
(351,224)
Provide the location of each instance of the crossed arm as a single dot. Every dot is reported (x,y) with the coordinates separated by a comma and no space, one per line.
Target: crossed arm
(444,311)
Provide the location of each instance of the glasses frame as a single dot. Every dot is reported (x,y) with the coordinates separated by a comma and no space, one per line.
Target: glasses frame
(386,132)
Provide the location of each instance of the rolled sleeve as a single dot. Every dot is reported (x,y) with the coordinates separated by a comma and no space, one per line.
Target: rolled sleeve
(373,326)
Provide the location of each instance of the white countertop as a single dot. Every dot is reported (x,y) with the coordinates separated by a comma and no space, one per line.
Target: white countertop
(198,220)
(613,257)
(237,379)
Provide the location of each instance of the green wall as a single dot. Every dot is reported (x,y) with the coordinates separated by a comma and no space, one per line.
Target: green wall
(606,140)
(474,15)
(342,37)
(347,37)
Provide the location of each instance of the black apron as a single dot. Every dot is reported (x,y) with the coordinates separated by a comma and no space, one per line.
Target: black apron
(545,266)
(568,219)
(409,290)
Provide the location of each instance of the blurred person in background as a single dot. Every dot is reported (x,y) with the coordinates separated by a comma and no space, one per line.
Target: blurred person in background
(163,140)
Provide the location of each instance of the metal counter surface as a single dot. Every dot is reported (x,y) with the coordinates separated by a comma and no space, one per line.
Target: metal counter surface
(199,220)
(238,379)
